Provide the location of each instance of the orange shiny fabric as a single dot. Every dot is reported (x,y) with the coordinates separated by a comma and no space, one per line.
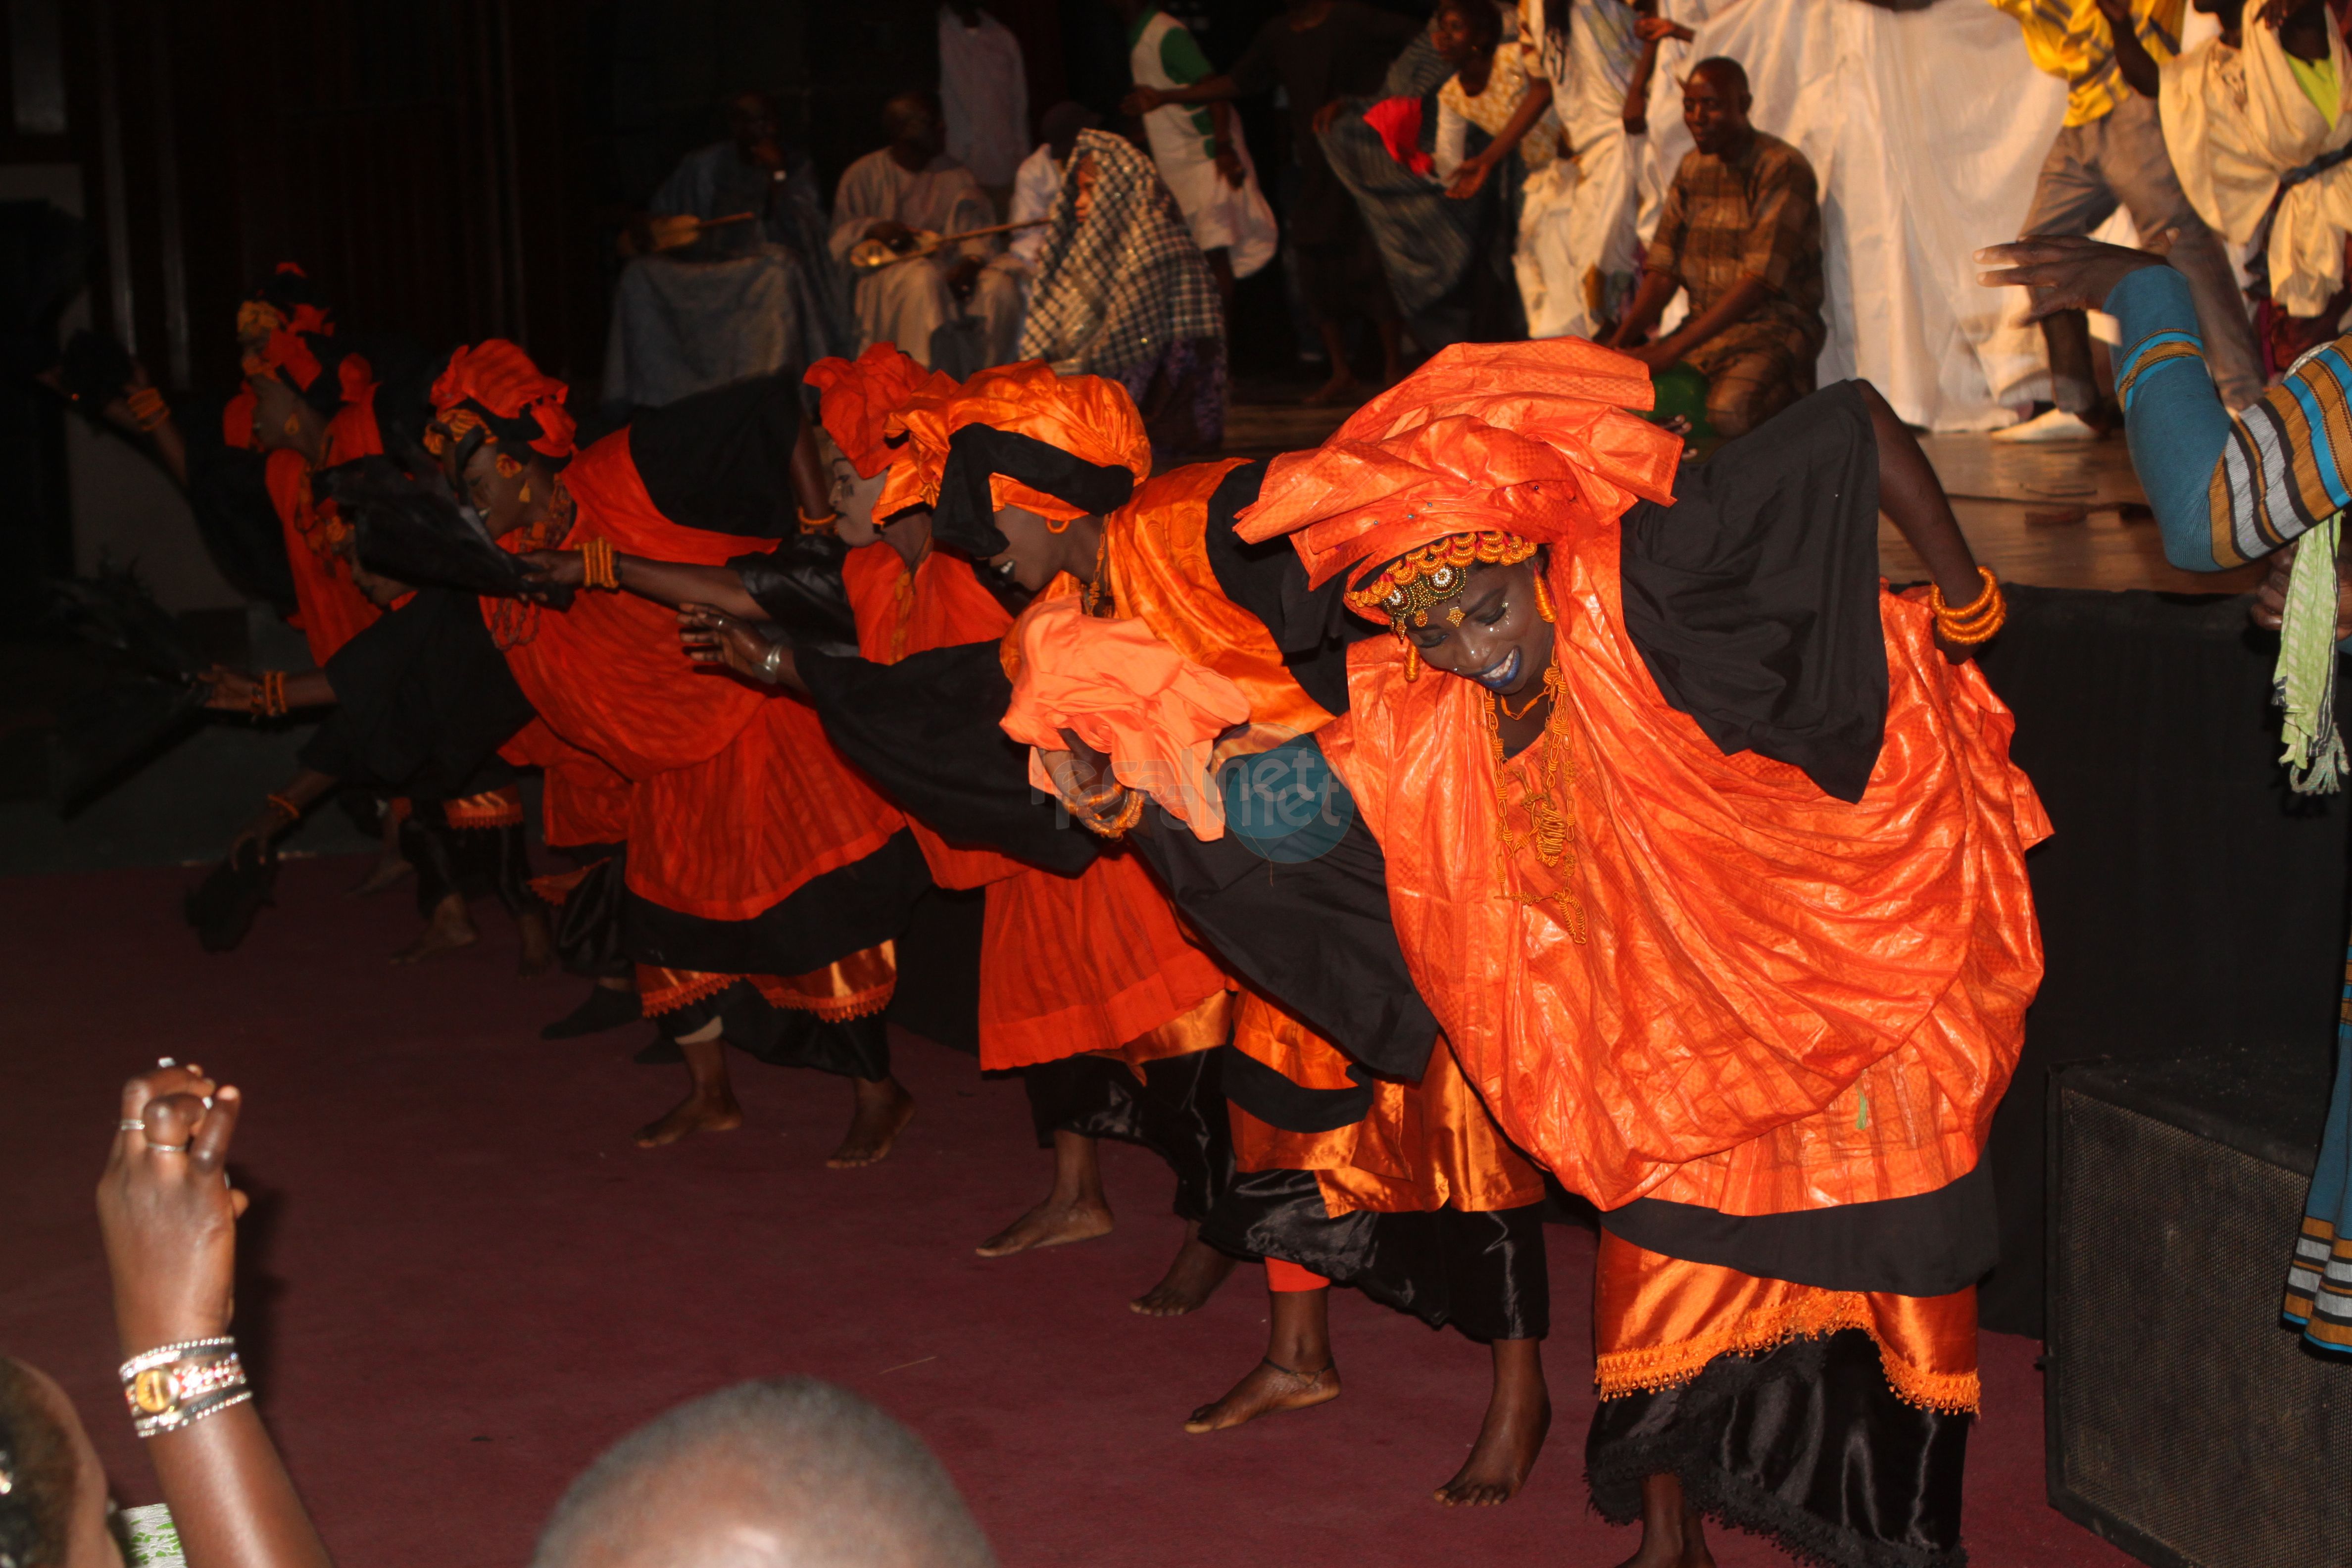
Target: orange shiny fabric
(1092,419)
(1070,965)
(938,605)
(1126,693)
(1288,1277)
(1421,1146)
(1657,1321)
(856,399)
(585,800)
(738,799)
(1775,1001)
(846,988)
(331,609)
(500,807)
(500,377)
(1533,439)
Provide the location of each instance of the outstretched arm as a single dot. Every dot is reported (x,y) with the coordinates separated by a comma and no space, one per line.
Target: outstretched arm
(666,582)
(1913,498)
(169,1217)
(1474,170)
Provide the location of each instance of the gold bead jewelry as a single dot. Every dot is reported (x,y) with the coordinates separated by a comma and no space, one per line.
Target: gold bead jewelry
(1976,621)
(1412,656)
(268,699)
(1129,816)
(597,568)
(1543,599)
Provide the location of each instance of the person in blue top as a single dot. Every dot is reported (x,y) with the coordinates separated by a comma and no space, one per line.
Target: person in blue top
(2271,481)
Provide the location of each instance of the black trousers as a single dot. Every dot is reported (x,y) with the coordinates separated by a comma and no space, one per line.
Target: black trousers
(1178,1112)
(787,1036)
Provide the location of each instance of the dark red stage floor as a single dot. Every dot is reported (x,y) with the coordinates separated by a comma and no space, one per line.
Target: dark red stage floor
(473,1281)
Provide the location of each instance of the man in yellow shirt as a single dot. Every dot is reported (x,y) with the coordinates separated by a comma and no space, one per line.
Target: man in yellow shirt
(2111,153)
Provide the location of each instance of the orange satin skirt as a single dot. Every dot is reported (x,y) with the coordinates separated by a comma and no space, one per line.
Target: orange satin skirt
(851,988)
(1657,1321)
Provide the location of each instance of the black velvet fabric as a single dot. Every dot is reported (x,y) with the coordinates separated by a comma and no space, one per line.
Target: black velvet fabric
(1929,1245)
(1481,1273)
(722,459)
(424,699)
(1313,934)
(1312,627)
(924,730)
(228,493)
(1177,1111)
(965,516)
(472,862)
(2190,903)
(799,585)
(1806,1445)
(787,1036)
(1754,598)
(1278,1101)
(826,918)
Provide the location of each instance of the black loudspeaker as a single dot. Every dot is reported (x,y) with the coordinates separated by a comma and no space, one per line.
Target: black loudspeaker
(2186,1423)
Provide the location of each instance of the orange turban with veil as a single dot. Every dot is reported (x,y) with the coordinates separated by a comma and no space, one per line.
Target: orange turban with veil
(857,399)
(498,383)
(1532,441)
(1064,446)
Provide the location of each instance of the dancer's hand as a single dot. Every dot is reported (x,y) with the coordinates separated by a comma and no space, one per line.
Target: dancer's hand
(1657,30)
(1470,178)
(1229,166)
(712,636)
(2064,272)
(553,568)
(2269,608)
(1141,101)
(169,1219)
(229,690)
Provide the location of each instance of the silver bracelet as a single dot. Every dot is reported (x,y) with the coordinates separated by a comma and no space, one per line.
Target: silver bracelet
(773,662)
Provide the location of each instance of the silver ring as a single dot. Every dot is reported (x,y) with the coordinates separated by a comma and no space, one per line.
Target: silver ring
(167,1148)
(131,1127)
(165,1062)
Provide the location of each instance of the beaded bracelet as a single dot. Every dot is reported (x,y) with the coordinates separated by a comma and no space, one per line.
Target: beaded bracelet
(176,1385)
(597,568)
(148,408)
(268,699)
(1129,816)
(1976,621)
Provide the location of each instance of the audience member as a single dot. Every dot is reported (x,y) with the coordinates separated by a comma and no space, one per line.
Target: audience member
(786,1473)
(744,297)
(1578,253)
(1498,87)
(983,96)
(2255,121)
(1741,231)
(2111,152)
(1318,52)
(1201,151)
(908,195)
(1036,185)
(53,1502)
(1122,292)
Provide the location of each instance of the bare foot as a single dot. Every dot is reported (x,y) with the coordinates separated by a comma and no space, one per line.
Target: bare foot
(450,929)
(388,869)
(698,1112)
(1267,1390)
(1508,1442)
(884,1108)
(1056,1222)
(538,934)
(1339,389)
(1191,1279)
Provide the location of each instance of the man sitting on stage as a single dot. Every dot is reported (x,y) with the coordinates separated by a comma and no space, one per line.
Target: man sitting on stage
(898,193)
(1742,232)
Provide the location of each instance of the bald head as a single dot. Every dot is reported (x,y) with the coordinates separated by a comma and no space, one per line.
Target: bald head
(1715,106)
(790,1473)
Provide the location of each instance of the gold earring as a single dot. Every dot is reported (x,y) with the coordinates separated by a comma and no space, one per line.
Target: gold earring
(1411,659)
(293,424)
(1543,599)
(525,497)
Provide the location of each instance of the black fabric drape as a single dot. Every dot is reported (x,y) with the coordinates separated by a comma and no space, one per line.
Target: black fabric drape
(1806,1445)
(1754,598)
(924,730)
(1929,1244)
(722,459)
(588,922)
(1312,627)
(787,1036)
(1277,1101)
(475,862)
(2189,902)
(424,700)
(1483,1273)
(799,585)
(965,516)
(826,918)
(1176,1110)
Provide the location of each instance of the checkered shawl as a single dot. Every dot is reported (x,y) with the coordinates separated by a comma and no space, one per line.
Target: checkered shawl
(1115,291)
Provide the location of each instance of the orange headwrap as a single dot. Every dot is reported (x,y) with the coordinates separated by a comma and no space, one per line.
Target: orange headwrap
(1531,440)
(521,400)
(1087,416)
(859,399)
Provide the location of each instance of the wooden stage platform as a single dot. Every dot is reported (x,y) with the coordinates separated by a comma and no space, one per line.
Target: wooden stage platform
(2066,515)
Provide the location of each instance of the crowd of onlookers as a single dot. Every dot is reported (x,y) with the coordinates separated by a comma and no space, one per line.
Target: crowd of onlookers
(1478,176)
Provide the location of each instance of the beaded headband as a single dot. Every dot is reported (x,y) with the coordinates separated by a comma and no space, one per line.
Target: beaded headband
(1406,589)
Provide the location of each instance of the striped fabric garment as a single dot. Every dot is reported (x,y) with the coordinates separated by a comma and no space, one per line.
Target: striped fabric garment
(2319,1276)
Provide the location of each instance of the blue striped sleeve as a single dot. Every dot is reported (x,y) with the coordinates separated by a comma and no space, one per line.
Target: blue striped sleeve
(2173,419)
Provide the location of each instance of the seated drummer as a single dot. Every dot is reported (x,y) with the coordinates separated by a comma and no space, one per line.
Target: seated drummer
(1742,232)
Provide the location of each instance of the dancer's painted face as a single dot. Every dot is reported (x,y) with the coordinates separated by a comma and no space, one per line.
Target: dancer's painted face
(1501,640)
(853,499)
